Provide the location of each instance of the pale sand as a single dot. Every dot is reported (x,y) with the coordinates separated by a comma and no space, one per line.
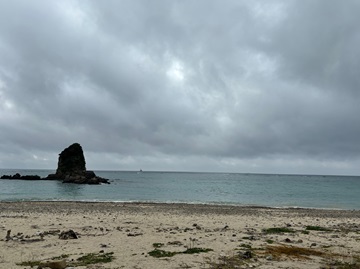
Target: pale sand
(130,229)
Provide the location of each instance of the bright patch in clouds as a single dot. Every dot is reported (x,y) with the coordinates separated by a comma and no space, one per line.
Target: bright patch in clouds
(176,72)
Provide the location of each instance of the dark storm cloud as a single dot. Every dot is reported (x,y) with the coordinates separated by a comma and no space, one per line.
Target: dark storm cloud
(318,44)
(182,85)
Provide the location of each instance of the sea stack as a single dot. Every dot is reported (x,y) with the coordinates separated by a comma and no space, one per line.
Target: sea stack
(72,167)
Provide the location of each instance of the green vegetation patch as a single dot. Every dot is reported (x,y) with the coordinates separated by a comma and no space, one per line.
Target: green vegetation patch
(159,253)
(317,228)
(29,263)
(246,246)
(93,258)
(38,263)
(195,250)
(61,257)
(278,230)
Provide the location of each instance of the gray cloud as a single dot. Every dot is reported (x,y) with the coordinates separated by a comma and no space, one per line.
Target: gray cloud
(260,86)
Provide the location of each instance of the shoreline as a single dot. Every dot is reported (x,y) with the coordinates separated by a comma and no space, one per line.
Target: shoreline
(131,231)
(214,207)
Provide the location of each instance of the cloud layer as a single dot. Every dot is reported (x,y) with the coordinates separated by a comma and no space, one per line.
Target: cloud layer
(235,86)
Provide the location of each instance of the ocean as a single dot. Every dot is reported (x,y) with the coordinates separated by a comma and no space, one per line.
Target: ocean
(271,190)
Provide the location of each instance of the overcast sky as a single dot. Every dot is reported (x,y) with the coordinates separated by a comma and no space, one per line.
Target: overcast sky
(206,85)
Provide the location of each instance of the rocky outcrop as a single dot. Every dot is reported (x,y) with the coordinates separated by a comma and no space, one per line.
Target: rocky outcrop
(71,161)
(18,176)
(72,168)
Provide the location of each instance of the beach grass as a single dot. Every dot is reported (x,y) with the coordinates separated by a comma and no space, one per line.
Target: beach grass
(292,251)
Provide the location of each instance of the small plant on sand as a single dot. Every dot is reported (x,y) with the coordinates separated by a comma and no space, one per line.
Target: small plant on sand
(246,246)
(278,230)
(159,253)
(196,250)
(158,245)
(93,258)
(228,262)
(62,256)
(317,228)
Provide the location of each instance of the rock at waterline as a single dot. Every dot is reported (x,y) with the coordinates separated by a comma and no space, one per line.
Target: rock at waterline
(18,176)
(72,167)
(71,161)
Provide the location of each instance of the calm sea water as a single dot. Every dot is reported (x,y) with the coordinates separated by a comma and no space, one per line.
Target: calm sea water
(342,192)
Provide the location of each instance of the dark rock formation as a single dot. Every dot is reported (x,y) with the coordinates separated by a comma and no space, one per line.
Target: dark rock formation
(71,161)
(72,168)
(18,176)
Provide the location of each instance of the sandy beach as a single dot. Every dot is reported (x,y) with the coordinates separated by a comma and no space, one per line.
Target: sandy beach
(132,235)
